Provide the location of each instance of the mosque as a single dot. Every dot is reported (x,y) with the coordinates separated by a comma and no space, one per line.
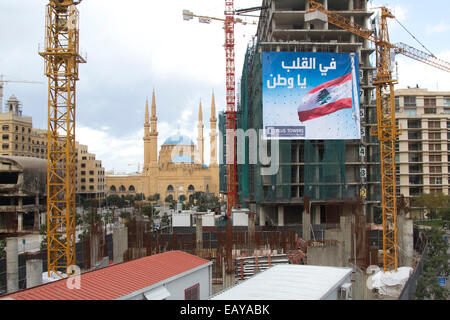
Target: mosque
(180,168)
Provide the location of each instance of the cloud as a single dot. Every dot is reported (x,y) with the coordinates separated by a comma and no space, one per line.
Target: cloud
(438,28)
(412,73)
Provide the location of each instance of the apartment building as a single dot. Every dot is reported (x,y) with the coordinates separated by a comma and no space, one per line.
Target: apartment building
(18,138)
(423,146)
(90,174)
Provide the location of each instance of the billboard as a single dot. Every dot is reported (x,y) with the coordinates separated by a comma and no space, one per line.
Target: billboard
(311,96)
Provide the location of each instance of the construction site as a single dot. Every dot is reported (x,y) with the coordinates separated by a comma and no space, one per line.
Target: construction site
(333,202)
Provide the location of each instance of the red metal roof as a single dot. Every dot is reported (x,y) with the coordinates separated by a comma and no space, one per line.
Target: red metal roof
(116,281)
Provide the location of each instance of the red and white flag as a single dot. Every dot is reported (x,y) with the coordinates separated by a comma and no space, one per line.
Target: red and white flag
(327,98)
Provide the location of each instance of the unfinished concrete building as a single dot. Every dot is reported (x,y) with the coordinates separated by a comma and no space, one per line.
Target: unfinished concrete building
(22,194)
(328,172)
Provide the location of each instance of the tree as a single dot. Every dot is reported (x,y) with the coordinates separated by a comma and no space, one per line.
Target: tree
(432,202)
(435,265)
(182,198)
(165,219)
(168,199)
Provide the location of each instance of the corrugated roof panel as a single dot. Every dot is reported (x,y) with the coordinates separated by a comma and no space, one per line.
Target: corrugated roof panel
(118,280)
(287,282)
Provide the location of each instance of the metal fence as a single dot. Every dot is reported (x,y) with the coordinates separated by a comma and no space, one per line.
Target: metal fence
(409,290)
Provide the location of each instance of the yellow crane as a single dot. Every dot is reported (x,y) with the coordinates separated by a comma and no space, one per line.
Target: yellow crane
(386,126)
(61,67)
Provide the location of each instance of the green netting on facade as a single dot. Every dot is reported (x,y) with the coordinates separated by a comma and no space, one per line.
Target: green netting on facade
(222,154)
(324,170)
(253,186)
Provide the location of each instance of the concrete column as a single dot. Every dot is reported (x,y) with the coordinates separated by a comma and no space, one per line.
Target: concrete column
(19,221)
(120,243)
(34,273)
(346,240)
(280,216)
(12,265)
(405,231)
(262,216)
(199,231)
(306,224)
(251,229)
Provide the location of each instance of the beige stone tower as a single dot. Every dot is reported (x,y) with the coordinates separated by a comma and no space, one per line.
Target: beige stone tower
(147,147)
(213,134)
(154,139)
(200,140)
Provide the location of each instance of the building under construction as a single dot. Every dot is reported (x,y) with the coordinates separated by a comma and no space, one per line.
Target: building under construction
(329,173)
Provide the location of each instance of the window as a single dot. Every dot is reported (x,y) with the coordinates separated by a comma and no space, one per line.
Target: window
(83,188)
(430,102)
(5,128)
(91,188)
(415,168)
(434,136)
(435,169)
(446,101)
(435,190)
(91,179)
(192,293)
(414,124)
(430,111)
(83,165)
(415,191)
(414,146)
(435,158)
(415,157)
(435,147)
(410,101)
(83,173)
(411,113)
(5,137)
(91,172)
(5,146)
(83,158)
(414,135)
(434,124)
(415,180)
(435,180)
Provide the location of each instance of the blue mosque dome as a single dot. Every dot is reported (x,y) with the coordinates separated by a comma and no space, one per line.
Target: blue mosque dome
(182,159)
(178,139)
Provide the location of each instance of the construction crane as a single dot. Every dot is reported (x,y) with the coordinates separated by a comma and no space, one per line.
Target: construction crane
(2,85)
(62,58)
(231,152)
(386,126)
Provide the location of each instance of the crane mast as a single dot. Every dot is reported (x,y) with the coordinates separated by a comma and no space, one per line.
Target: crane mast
(61,57)
(230,109)
(387,133)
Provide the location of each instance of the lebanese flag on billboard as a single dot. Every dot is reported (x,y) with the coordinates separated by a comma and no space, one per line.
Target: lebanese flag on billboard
(327,98)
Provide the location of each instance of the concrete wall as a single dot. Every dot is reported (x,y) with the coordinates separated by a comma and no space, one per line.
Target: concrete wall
(177,286)
(12,265)
(324,256)
(405,239)
(120,243)
(181,220)
(34,273)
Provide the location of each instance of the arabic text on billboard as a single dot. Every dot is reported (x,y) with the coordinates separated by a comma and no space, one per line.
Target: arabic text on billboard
(311,95)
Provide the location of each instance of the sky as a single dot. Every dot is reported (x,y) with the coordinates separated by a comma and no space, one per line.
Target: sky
(135,47)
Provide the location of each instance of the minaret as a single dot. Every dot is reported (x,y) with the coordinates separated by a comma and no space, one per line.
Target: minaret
(147,142)
(200,139)
(213,133)
(154,136)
